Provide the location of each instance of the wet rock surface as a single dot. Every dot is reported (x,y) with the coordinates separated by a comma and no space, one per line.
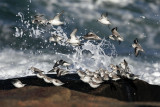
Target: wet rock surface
(125,93)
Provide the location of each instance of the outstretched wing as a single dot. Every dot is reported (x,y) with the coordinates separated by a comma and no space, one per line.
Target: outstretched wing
(104,15)
(58,15)
(114,32)
(37,16)
(136,51)
(125,63)
(73,33)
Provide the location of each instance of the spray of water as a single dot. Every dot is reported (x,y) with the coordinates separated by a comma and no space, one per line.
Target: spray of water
(90,55)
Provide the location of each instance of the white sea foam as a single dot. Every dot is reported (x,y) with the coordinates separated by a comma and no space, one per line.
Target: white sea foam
(17,64)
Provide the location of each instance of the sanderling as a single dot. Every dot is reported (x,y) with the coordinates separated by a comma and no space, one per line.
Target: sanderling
(81,73)
(73,40)
(17,83)
(40,75)
(54,69)
(57,82)
(61,63)
(102,73)
(114,76)
(38,72)
(86,78)
(56,20)
(137,47)
(132,76)
(61,72)
(104,20)
(116,36)
(97,78)
(89,73)
(35,70)
(106,77)
(55,38)
(106,71)
(39,19)
(124,66)
(93,84)
(91,36)
(47,79)
(113,67)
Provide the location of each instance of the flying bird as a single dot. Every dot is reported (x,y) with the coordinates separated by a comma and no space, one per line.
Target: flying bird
(137,47)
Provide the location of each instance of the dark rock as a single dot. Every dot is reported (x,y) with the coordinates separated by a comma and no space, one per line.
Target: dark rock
(75,91)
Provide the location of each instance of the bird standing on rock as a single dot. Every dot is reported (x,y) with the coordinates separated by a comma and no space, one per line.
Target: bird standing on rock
(17,83)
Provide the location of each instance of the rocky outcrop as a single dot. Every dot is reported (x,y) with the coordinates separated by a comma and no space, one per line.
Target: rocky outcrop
(76,93)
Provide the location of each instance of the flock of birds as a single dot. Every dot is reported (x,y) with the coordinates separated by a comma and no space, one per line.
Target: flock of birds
(94,79)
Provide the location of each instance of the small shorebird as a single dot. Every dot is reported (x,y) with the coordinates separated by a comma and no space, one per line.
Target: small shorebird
(35,70)
(39,19)
(97,79)
(113,67)
(38,72)
(114,76)
(132,76)
(116,36)
(54,69)
(74,40)
(93,84)
(40,75)
(57,82)
(106,77)
(124,66)
(137,47)
(62,63)
(89,73)
(104,20)
(47,79)
(91,36)
(81,73)
(56,20)
(55,38)
(17,83)
(61,72)
(86,78)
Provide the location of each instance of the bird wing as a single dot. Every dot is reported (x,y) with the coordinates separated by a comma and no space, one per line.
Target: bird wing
(36,70)
(125,63)
(115,33)
(58,15)
(104,15)
(37,16)
(112,37)
(73,33)
(136,51)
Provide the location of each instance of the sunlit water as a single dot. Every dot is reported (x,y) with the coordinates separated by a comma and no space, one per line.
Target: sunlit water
(24,44)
